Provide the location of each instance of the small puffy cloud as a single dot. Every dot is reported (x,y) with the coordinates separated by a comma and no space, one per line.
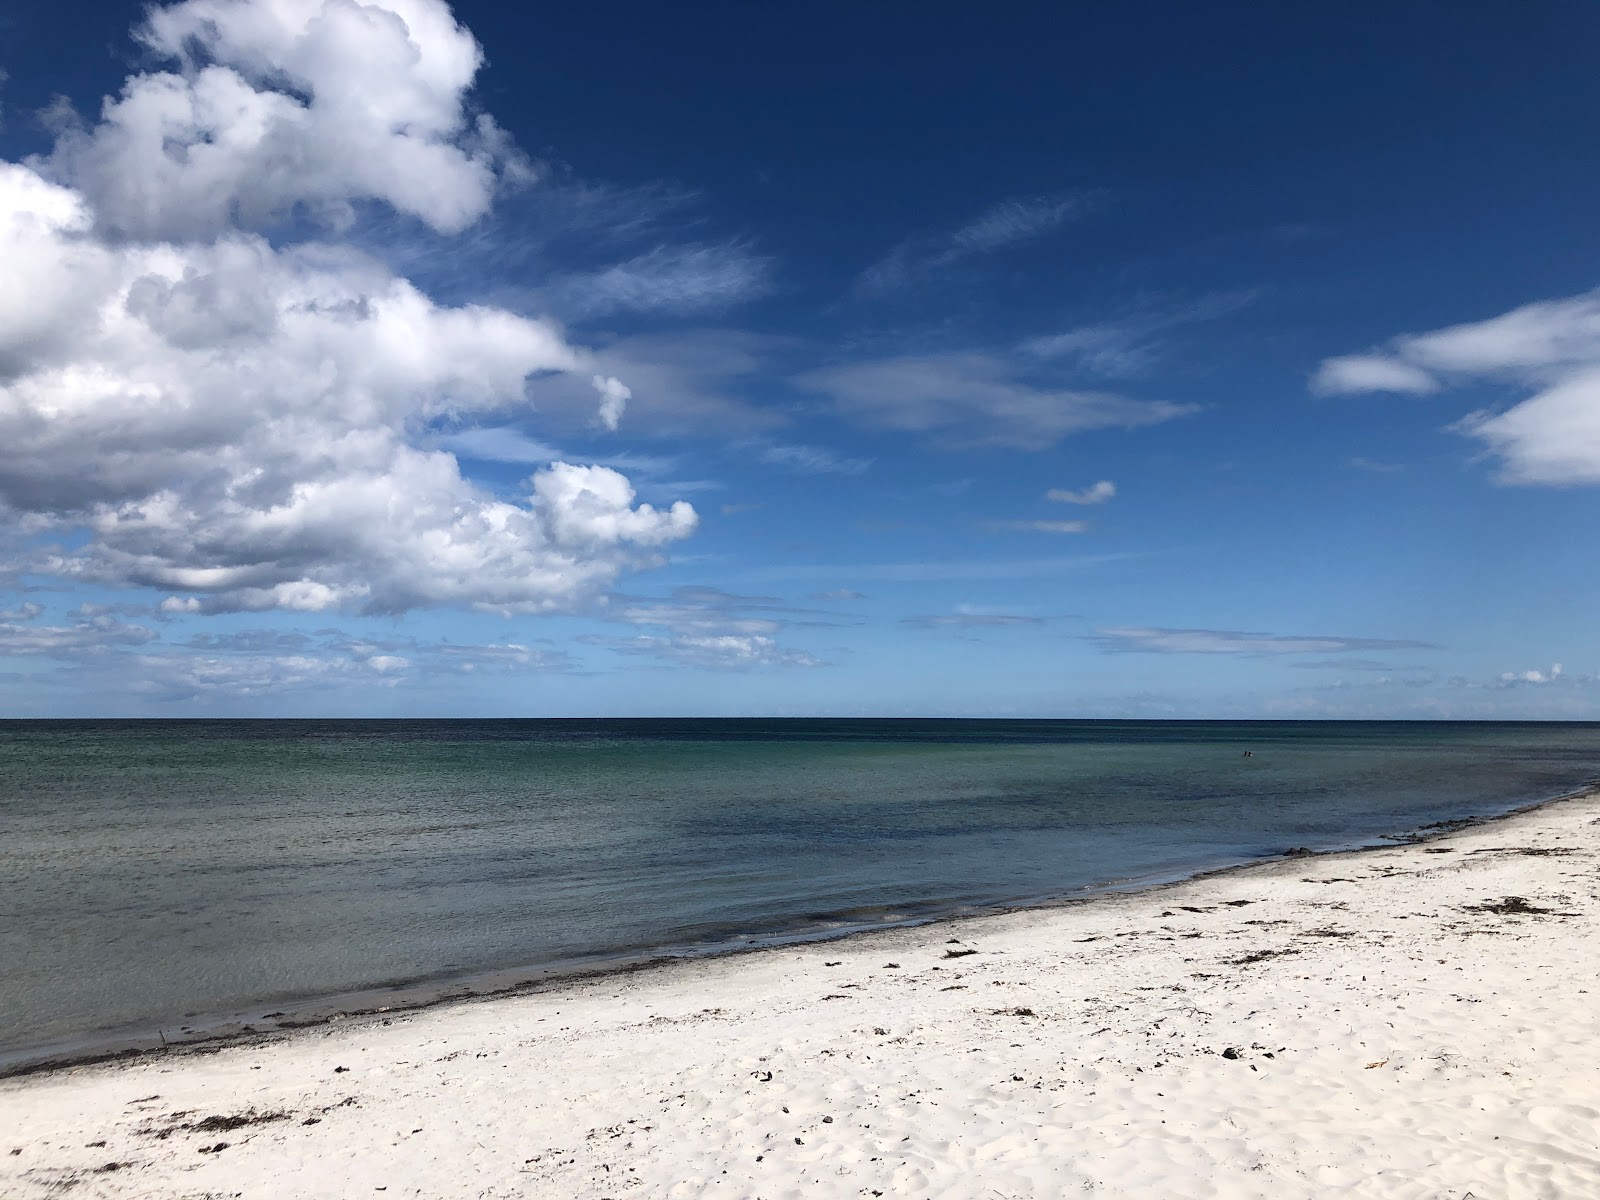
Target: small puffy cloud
(1095,493)
(1551,348)
(1228,641)
(1026,526)
(1008,223)
(26,611)
(976,399)
(614,396)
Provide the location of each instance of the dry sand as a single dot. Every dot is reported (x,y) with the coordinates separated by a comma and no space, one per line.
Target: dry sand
(1421,1021)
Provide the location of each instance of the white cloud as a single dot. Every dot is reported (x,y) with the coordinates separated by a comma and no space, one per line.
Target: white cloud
(284,105)
(721,652)
(1370,373)
(1551,348)
(1095,493)
(812,460)
(1535,676)
(614,396)
(1008,223)
(1039,526)
(1131,345)
(976,399)
(685,279)
(967,617)
(233,421)
(1552,438)
(707,627)
(85,639)
(1231,641)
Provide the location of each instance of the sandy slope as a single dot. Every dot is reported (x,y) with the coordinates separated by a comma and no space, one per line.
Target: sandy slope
(1357,1025)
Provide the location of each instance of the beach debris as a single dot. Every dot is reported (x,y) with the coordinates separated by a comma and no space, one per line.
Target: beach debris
(111,1166)
(214,1124)
(1018,1011)
(891,966)
(1382,1062)
(1233,1052)
(1514,906)
(340,1070)
(762,1076)
(1299,852)
(962,953)
(217,1149)
(834,963)
(1533,851)
(1245,960)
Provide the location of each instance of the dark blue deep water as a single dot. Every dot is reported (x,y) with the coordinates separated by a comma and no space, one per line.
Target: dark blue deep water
(159,874)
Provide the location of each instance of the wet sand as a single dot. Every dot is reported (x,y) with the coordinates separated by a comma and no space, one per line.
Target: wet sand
(1422,1020)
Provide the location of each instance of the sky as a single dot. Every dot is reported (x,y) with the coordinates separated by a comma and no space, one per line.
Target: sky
(903,359)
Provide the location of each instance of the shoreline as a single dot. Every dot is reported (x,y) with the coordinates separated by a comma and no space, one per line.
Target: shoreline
(1410,1021)
(222,1031)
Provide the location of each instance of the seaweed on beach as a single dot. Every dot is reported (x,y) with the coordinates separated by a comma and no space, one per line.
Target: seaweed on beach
(1245,960)
(217,1123)
(1530,851)
(1514,906)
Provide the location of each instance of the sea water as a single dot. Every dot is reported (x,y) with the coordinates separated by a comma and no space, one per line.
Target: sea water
(159,875)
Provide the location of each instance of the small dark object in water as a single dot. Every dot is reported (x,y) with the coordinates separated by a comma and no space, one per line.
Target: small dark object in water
(1249,753)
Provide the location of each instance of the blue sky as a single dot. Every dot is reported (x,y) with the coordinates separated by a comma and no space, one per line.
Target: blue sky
(1143,360)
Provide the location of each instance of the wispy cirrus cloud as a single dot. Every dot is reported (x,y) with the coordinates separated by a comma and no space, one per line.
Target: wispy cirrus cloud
(1131,346)
(1152,640)
(968,617)
(709,628)
(1011,222)
(811,460)
(976,399)
(1095,493)
(1036,526)
(1551,348)
(674,280)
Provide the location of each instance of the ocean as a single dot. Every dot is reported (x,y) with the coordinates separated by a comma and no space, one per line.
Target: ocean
(165,879)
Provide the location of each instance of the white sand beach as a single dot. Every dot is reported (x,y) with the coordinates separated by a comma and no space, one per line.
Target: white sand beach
(1419,1021)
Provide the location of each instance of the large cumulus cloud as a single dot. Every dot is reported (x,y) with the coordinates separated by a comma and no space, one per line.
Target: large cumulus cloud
(239,421)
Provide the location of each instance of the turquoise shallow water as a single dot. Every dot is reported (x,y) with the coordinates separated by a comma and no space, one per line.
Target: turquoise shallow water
(159,874)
